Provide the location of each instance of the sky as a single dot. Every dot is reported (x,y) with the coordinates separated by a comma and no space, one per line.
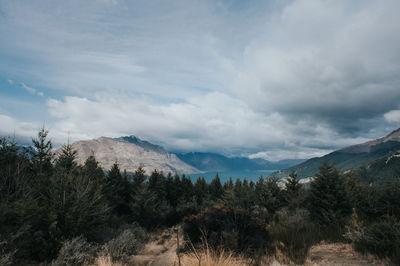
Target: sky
(265,79)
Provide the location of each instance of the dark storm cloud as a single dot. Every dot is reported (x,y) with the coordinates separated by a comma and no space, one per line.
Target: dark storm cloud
(286,79)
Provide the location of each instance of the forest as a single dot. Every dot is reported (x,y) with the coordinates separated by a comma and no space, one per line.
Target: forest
(53,210)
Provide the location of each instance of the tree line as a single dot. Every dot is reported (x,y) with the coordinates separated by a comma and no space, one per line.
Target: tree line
(46,200)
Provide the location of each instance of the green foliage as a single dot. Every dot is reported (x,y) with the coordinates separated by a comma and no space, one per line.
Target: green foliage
(268,195)
(216,189)
(227,227)
(42,155)
(328,201)
(66,160)
(118,191)
(49,205)
(382,238)
(294,234)
(76,251)
(294,193)
(126,243)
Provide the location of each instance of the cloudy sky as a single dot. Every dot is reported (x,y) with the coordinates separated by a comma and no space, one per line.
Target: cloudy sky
(272,79)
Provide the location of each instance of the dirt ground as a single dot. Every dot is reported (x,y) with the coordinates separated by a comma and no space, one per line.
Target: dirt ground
(340,254)
(161,250)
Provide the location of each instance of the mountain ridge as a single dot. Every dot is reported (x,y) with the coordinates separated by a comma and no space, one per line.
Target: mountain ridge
(214,162)
(130,152)
(348,158)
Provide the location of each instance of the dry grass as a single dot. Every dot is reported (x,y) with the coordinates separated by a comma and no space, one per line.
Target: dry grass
(105,261)
(212,258)
(340,254)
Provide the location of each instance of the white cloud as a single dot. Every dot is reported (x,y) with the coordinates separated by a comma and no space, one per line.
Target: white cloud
(32,90)
(393,116)
(283,79)
(214,122)
(10,81)
(28,89)
(12,127)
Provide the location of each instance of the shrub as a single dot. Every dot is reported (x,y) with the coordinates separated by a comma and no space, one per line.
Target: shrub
(381,239)
(127,243)
(6,255)
(293,234)
(76,251)
(227,227)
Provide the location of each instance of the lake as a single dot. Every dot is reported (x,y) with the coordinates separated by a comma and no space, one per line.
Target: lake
(224,176)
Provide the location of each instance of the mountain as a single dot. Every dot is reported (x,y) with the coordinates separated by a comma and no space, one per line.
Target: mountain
(352,157)
(380,170)
(130,153)
(212,162)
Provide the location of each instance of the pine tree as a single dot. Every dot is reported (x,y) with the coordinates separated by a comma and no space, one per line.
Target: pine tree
(201,191)
(293,189)
(66,159)
(119,192)
(42,154)
(328,201)
(216,189)
(92,169)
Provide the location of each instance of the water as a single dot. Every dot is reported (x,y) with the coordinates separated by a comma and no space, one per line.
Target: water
(224,176)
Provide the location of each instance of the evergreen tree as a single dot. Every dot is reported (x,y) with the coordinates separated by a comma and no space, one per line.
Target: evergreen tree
(119,192)
(228,185)
(201,191)
(328,201)
(66,159)
(157,186)
(187,188)
(138,178)
(293,191)
(216,189)
(42,154)
(92,169)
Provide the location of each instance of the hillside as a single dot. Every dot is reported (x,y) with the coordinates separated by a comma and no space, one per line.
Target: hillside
(130,153)
(380,170)
(347,158)
(212,162)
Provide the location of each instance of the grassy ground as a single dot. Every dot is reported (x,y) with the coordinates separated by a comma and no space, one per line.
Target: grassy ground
(161,250)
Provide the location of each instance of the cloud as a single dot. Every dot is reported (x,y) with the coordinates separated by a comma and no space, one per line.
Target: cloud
(32,90)
(337,66)
(213,122)
(10,81)
(19,129)
(28,89)
(393,116)
(260,78)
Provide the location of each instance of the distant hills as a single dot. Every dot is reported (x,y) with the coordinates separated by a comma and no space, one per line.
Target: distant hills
(131,152)
(368,156)
(212,162)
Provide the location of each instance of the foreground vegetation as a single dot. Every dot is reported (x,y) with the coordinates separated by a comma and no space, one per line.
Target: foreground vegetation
(55,210)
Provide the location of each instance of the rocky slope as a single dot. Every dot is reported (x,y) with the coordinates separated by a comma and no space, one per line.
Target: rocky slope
(130,153)
(347,158)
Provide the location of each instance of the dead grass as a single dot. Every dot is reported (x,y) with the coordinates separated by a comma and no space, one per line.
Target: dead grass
(211,258)
(161,250)
(105,261)
(340,254)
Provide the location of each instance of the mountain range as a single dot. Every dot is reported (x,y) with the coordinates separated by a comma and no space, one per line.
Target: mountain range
(378,158)
(131,152)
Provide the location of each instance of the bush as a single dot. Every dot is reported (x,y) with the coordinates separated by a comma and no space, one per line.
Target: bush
(6,255)
(293,234)
(227,227)
(127,243)
(76,251)
(381,239)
